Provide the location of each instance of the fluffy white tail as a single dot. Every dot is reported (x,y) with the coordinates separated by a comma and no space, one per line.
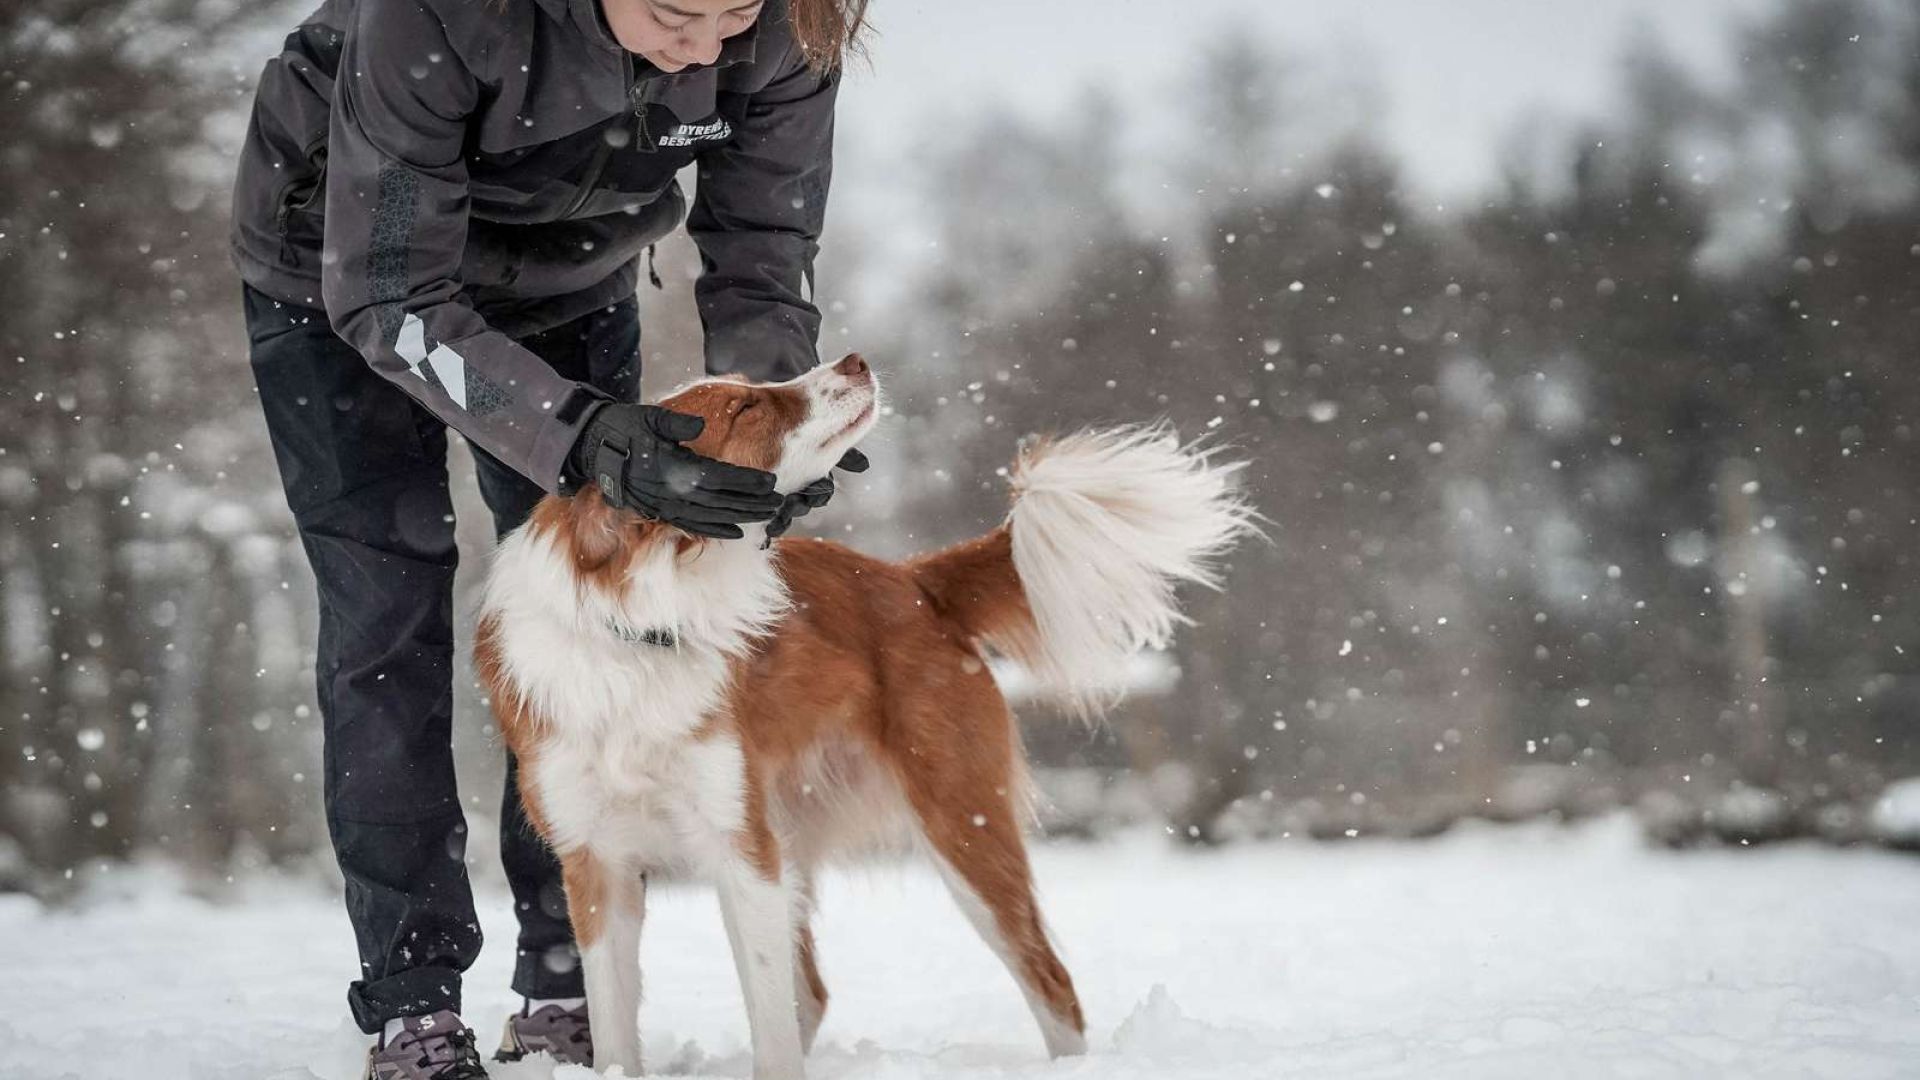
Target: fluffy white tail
(1104,525)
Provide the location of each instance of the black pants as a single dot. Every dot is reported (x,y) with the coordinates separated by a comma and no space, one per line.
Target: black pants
(365,473)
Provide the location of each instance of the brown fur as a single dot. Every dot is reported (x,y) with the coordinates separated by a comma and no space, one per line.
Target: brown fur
(511,713)
(974,586)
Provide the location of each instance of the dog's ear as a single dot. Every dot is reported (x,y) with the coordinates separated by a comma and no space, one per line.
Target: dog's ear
(606,541)
(595,533)
(600,542)
(592,533)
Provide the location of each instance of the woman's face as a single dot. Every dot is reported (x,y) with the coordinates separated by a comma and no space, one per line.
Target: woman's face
(673,34)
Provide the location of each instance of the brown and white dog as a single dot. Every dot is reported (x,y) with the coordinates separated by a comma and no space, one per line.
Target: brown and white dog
(746,714)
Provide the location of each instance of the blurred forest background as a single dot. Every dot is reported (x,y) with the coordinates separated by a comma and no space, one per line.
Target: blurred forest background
(1597,492)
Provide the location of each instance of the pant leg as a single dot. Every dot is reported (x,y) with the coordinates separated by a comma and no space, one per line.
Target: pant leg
(364,470)
(602,349)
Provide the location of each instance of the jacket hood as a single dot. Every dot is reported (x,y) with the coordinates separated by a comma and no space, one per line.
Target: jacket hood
(587,17)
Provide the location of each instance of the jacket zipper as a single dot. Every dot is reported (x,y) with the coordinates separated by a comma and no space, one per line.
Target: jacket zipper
(601,153)
(641,136)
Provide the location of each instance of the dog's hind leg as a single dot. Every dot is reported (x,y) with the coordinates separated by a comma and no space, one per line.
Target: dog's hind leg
(607,905)
(968,819)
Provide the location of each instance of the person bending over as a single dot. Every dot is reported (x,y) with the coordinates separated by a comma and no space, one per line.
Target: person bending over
(439,218)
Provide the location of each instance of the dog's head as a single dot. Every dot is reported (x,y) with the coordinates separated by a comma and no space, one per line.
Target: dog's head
(796,429)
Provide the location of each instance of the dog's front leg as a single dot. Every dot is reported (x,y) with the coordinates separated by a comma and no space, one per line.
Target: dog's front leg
(758,912)
(607,904)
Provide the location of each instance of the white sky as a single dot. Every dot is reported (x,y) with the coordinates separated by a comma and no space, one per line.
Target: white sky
(1454,80)
(1456,75)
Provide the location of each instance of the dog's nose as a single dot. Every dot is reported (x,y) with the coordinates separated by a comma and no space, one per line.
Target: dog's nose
(852,367)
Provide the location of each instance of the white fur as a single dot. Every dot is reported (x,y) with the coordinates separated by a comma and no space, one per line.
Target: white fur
(830,428)
(561,647)
(1105,523)
(759,920)
(838,801)
(611,967)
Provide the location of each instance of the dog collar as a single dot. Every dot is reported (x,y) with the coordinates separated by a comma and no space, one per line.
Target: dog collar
(655,636)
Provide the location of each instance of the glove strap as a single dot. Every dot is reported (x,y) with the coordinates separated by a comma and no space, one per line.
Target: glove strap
(610,473)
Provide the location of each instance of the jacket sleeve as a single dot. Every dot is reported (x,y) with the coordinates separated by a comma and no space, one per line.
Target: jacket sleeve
(396,230)
(758,210)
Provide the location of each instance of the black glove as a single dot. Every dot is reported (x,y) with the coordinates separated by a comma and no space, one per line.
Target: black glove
(814,495)
(633,453)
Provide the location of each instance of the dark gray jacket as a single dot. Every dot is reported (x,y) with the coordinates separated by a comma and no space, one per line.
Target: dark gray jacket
(444,176)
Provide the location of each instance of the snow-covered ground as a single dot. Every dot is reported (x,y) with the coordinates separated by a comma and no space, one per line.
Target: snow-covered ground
(1494,952)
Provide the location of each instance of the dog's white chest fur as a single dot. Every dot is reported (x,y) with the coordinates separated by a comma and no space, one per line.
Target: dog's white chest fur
(627,762)
(641,802)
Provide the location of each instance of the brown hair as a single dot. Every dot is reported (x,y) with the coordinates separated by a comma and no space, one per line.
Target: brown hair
(829,30)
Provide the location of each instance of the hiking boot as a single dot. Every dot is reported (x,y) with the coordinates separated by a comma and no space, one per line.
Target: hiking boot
(554,1029)
(432,1047)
